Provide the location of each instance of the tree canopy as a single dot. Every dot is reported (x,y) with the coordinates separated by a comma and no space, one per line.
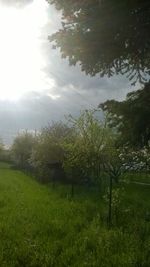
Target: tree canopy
(22,148)
(132,116)
(106,37)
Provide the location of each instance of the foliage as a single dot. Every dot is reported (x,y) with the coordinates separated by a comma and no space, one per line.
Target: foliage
(85,156)
(136,160)
(105,37)
(120,161)
(131,116)
(124,160)
(117,205)
(1,148)
(49,151)
(22,148)
(79,148)
(5,153)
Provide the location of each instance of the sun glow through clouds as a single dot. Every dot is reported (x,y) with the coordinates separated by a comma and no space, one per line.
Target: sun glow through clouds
(21,60)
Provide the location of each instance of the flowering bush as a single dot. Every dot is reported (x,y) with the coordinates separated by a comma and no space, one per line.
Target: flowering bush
(137,160)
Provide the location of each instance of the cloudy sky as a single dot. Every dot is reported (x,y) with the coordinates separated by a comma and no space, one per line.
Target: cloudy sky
(36,85)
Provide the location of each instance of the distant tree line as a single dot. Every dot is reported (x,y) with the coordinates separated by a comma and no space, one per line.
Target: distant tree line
(85,149)
(74,152)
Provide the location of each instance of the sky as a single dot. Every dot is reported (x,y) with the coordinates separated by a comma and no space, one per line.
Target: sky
(36,85)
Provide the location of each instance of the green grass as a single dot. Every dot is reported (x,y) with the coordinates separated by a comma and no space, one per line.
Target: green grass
(138,177)
(42,227)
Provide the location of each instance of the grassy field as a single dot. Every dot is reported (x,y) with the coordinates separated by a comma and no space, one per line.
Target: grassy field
(144,178)
(42,227)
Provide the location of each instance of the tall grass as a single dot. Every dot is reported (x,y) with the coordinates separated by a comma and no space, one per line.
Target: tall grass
(43,227)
